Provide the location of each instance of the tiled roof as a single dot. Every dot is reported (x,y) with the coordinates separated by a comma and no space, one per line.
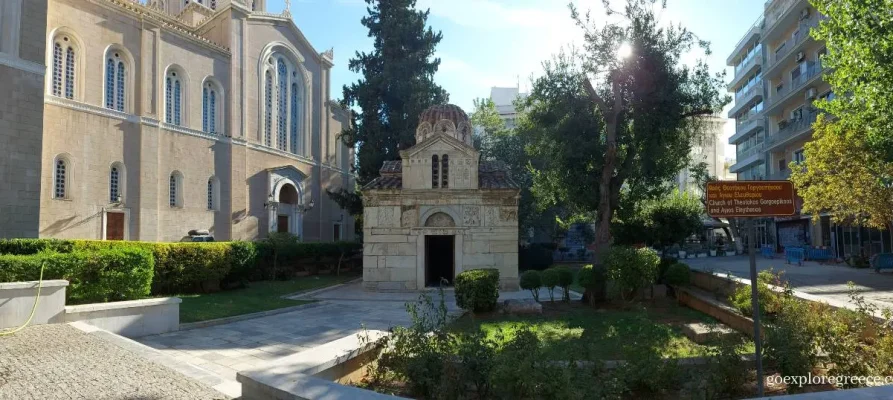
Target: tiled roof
(492,175)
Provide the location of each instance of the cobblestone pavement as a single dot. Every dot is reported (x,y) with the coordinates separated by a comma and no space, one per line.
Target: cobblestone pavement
(828,281)
(344,310)
(58,361)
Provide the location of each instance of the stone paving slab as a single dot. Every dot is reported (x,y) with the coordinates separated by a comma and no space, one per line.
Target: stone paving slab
(823,280)
(58,361)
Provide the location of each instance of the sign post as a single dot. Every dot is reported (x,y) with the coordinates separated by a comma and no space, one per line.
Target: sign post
(751,199)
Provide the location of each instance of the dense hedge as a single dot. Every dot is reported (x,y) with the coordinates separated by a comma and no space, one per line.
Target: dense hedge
(477,290)
(177,268)
(93,276)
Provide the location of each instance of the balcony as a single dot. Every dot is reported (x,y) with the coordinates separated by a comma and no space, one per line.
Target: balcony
(794,86)
(746,127)
(780,14)
(792,131)
(752,35)
(746,158)
(746,99)
(791,47)
(745,71)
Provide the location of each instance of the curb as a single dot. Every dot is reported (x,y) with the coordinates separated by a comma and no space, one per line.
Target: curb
(299,295)
(236,318)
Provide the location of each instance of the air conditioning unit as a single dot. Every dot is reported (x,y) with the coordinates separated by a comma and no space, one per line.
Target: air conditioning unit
(800,56)
(810,93)
(804,14)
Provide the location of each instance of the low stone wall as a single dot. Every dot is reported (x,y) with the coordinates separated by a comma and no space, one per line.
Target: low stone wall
(707,303)
(129,318)
(17,300)
(317,373)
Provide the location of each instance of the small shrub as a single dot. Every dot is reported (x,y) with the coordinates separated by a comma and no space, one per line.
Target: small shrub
(242,260)
(665,264)
(477,290)
(631,269)
(550,281)
(592,279)
(769,299)
(532,280)
(725,373)
(565,280)
(678,274)
(791,338)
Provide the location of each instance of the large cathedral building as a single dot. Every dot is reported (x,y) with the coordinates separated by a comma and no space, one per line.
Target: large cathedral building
(145,119)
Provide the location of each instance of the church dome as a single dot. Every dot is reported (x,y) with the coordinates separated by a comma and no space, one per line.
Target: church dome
(445,118)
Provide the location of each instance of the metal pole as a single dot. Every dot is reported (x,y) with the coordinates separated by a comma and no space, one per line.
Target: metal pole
(755,304)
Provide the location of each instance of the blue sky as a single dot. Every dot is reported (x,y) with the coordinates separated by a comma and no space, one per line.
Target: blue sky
(503,42)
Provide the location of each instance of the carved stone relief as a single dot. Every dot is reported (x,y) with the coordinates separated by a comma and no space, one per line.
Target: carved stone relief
(491,217)
(440,219)
(471,216)
(409,217)
(386,216)
(509,214)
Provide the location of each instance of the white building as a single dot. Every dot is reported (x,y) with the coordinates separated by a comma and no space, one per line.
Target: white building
(709,149)
(503,98)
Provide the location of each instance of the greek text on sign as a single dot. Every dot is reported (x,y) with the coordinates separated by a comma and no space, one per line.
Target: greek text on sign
(750,198)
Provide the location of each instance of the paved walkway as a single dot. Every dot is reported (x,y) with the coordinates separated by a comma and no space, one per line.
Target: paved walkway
(824,280)
(58,361)
(341,311)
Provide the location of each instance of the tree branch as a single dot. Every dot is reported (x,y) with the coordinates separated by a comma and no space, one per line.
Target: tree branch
(593,95)
(696,113)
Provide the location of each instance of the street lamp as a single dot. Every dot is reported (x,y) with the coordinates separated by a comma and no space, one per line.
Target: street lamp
(271,203)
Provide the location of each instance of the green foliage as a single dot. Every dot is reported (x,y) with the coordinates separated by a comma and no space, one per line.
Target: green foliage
(551,279)
(352,202)
(94,276)
(565,280)
(532,280)
(646,370)
(660,222)
(33,246)
(243,260)
(725,372)
(477,290)
(791,339)
(642,139)
(631,269)
(397,83)
(769,299)
(591,277)
(536,256)
(677,274)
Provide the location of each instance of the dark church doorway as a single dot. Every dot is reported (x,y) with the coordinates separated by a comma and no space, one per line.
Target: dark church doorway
(439,262)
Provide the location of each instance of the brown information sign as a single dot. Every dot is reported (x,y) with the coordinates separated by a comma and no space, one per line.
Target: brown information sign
(750,199)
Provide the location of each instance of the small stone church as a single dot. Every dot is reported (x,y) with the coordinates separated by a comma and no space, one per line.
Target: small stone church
(439,210)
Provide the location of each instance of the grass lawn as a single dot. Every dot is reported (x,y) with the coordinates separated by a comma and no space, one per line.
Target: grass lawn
(258,296)
(573,330)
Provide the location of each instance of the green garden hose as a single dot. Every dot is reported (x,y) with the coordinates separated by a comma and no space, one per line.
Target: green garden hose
(33,308)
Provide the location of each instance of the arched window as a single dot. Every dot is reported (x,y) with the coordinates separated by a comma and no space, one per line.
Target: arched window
(173,97)
(435,175)
(115,184)
(64,66)
(295,103)
(60,178)
(211,100)
(268,107)
(115,81)
(282,102)
(445,171)
(175,190)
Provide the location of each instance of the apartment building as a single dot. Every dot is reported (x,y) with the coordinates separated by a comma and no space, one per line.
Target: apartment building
(777,77)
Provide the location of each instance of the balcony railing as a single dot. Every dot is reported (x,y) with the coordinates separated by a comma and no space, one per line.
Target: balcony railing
(794,128)
(742,100)
(755,149)
(801,35)
(812,70)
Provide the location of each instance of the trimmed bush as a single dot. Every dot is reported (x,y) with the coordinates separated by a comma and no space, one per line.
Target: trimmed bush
(94,277)
(565,280)
(591,277)
(550,280)
(532,280)
(477,290)
(631,269)
(33,246)
(678,274)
